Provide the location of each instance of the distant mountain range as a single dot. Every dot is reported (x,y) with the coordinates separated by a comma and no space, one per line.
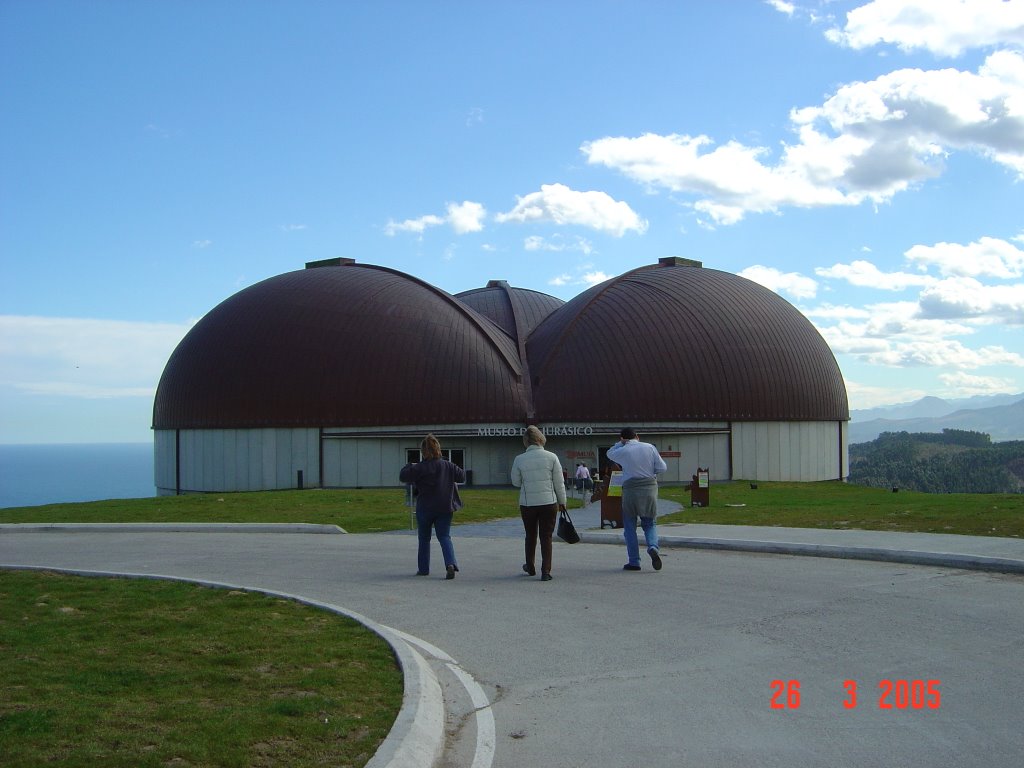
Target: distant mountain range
(1000,416)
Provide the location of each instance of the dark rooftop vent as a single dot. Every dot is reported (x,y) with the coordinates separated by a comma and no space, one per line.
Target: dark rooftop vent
(678,261)
(338,262)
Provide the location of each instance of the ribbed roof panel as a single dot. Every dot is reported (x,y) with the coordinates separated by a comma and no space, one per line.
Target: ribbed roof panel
(682,343)
(340,346)
(505,305)
(359,345)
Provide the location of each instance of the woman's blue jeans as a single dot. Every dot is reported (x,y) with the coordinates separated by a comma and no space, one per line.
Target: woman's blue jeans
(442,526)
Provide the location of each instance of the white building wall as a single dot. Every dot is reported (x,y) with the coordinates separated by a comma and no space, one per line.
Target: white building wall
(267,459)
(845,447)
(492,464)
(707,451)
(803,451)
(235,460)
(364,462)
(163,459)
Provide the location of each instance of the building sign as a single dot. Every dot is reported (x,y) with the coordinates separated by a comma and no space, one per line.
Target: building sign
(670,454)
(549,431)
(579,455)
(614,484)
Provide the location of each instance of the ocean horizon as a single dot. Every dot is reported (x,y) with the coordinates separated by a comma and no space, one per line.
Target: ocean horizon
(34,474)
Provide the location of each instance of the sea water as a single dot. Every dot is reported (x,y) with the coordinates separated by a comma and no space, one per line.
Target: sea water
(50,474)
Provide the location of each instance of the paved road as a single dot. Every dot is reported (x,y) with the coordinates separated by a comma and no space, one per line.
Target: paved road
(602,667)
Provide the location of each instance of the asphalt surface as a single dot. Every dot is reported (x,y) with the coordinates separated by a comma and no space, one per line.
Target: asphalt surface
(734,654)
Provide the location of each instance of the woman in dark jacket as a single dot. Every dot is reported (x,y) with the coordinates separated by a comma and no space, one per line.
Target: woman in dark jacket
(437,498)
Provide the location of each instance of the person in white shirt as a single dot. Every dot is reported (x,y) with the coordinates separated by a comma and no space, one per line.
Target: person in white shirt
(538,475)
(582,476)
(641,464)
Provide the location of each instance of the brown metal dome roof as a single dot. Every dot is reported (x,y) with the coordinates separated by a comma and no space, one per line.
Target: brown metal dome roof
(517,311)
(340,345)
(678,342)
(360,345)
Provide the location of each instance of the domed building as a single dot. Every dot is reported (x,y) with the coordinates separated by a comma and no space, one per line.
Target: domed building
(331,375)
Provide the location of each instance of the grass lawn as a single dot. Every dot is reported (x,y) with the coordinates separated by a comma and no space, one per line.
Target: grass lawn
(115,672)
(841,505)
(122,672)
(357,511)
(799,505)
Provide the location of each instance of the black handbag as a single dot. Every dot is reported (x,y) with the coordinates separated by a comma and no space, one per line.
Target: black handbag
(566,530)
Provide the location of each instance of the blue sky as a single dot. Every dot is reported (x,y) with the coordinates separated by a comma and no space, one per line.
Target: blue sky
(863,159)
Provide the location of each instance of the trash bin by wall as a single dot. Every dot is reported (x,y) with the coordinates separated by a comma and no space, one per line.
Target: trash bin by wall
(611,501)
(700,488)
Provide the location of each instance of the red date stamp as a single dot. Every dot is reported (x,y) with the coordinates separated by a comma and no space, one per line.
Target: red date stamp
(892,694)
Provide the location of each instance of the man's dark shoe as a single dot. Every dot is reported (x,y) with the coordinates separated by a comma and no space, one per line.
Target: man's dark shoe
(450,572)
(529,569)
(655,558)
(545,577)
(628,567)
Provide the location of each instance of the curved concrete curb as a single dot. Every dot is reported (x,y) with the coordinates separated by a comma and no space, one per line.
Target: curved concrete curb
(416,738)
(894,555)
(170,528)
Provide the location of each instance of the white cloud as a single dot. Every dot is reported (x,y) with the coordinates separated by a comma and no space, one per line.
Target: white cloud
(466,217)
(988,256)
(416,226)
(904,318)
(909,118)
(843,340)
(84,358)
(558,243)
(782,7)
(870,396)
(593,278)
(475,116)
(867,142)
(587,279)
(834,312)
(965,297)
(732,177)
(463,218)
(202,243)
(944,27)
(910,347)
(159,131)
(944,353)
(791,283)
(559,204)
(865,274)
(292,227)
(964,384)
(904,335)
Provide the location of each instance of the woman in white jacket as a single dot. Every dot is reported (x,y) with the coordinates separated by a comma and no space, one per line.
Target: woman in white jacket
(537,474)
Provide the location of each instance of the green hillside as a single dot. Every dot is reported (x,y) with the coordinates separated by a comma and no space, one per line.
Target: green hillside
(953,461)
